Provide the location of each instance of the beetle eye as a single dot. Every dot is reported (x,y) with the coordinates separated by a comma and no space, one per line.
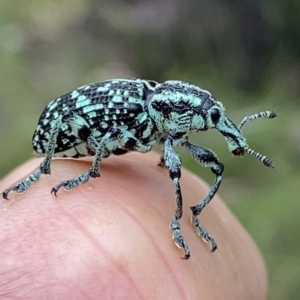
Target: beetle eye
(215,115)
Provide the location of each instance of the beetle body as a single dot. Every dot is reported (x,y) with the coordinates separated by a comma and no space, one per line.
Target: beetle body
(102,105)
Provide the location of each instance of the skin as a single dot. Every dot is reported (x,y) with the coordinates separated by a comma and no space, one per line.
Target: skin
(109,238)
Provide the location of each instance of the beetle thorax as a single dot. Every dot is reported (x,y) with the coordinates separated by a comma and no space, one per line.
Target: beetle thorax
(178,108)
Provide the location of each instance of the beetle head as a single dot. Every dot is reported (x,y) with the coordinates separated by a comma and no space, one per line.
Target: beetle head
(178,108)
(236,142)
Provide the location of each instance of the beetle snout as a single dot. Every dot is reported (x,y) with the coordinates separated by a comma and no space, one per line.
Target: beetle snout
(238,151)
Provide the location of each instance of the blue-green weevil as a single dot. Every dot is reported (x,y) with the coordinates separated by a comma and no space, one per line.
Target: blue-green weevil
(120,115)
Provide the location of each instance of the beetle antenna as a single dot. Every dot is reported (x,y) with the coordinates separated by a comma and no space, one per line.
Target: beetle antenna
(264,159)
(264,114)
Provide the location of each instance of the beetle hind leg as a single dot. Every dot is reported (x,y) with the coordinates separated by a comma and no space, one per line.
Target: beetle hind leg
(44,166)
(22,186)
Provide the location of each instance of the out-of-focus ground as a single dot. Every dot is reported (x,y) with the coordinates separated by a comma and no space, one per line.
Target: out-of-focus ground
(246,52)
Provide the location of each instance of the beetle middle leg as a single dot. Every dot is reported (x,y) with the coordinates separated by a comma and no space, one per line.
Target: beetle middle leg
(161,163)
(206,158)
(115,138)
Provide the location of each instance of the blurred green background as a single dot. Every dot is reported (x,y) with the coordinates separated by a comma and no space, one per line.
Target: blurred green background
(246,52)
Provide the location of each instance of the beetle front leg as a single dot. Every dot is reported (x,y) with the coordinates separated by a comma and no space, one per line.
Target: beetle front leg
(206,158)
(173,164)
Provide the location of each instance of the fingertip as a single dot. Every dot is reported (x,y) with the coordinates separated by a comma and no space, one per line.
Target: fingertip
(126,214)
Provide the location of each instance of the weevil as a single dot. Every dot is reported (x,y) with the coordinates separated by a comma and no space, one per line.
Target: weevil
(122,115)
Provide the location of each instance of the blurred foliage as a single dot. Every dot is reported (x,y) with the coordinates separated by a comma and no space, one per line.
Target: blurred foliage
(246,52)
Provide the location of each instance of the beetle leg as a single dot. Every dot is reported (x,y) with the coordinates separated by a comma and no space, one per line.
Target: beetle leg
(23,185)
(173,163)
(94,170)
(44,166)
(129,142)
(162,162)
(114,138)
(206,158)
